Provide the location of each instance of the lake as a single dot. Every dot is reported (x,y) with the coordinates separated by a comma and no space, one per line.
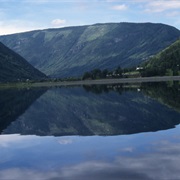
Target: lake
(119,131)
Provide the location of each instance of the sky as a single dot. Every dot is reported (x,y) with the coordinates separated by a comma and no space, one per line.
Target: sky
(25,15)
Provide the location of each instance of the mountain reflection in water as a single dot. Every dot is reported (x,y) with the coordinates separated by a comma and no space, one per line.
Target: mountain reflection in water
(40,127)
(14,102)
(91,110)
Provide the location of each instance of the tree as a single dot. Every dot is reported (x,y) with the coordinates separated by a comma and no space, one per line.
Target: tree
(87,75)
(118,71)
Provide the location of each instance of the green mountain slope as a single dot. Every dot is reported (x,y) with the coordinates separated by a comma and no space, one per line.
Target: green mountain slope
(71,51)
(167,62)
(13,67)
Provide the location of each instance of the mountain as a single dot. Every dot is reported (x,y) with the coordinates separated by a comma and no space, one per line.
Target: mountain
(167,62)
(166,93)
(93,111)
(13,67)
(71,51)
(14,102)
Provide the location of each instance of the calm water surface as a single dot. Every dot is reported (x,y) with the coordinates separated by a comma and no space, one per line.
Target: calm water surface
(91,132)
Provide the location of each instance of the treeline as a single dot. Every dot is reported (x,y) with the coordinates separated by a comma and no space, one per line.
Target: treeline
(162,91)
(101,74)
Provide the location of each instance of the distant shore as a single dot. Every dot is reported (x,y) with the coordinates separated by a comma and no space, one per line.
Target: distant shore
(93,82)
(110,81)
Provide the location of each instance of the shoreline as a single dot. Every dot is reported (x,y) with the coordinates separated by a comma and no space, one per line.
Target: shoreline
(108,81)
(94,82)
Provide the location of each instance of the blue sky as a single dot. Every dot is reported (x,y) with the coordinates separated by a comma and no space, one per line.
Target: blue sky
(24,15)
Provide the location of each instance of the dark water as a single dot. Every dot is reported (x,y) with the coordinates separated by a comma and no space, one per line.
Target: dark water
(91,132)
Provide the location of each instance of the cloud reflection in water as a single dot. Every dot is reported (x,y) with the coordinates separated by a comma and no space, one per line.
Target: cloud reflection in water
(162,162)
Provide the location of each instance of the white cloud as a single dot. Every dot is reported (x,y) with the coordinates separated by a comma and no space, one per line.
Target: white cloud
(16,173)
(37,1)
(65,141)
(4,30)
(127,1)
(16,26)
(120,7)
(58,22)
(12,141)
(162,5)
(5,140)
(128,149)
(111,1)
(162,162)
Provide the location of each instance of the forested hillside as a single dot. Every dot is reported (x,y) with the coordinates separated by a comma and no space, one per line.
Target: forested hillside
(164,63)
(15,68)
(71,51)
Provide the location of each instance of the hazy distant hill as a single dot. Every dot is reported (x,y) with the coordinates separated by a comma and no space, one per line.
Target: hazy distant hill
(71,51)
(167,62)
(13,67)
